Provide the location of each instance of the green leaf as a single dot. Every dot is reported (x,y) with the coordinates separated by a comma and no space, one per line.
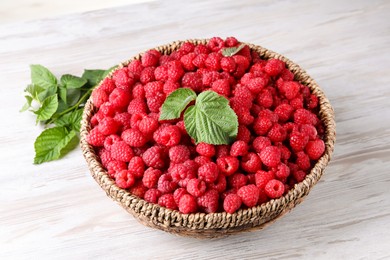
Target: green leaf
(62,106)
(71,120)
(27,105)
(228,52)
(70,81)
(93,76)
(34,90)
(53,143)
(69,96)
(42,77)
(176,102)
(48,108)
(52,90)
(211,119)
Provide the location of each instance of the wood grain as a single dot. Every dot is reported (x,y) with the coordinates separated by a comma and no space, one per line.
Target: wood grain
(56,210)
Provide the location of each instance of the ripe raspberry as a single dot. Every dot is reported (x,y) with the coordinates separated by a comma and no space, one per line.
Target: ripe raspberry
(282,172)
(114,167)
(170,86)
(299,175)
(265,98)
(167,135)
(262,125)
(152,88)
(178,193)
(151,177)
(284,112)
(122,79)
(147,75)
(152,195)
(106,158)
(154,157)
(239,148)
(150,59)
(192,80)
(202,160)
(154,103)
(135,119)
(246,78)
(277,133)
(222,150)
(303,116)
(136,166)
(187,47)
(242,64)
(312,101)
(287,75)
(179,154)
(260,142)
(208,172)
(274,189)
(221,86)
(213,61)
(297,103)
(175,70)
(138,189)
(95,138)
(215,44)
(274,67)
(243,134)
(161,73)
(303,161)
(209,201)
(167,201)
(148,125)
(187,60)
(228,165)
(121,151)
(110,140)
(270,156)
(119,98)
(298,141)
(108,85)
(123,120)
(237,180)
(137,106)
(249,195)
(187,204)
(315,149)
(205,149)
(108,126)
(219,184)
(99,97)
(199,61)
(285,152)
(196,187)
(255,85)
(251,163)
(208,77)
(108,109)
(201,49)
(228,64)
(165,184)
(134,137)
(124,179)
(136,68)
(290,89)
(246,52)
(263,177)
(232,203)
(231,42)
(309,130)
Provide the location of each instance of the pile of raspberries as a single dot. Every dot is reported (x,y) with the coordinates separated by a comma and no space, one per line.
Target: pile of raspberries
(279,134)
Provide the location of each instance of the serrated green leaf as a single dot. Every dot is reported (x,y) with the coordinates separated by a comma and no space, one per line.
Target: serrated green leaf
(71,120)
(228,52)
(27,105)
(71,82)
(69,96)
(42,77)
(93,76)
(62,106)
(211,119)
(53,143)
(176,102)
(48,108)
(52,90)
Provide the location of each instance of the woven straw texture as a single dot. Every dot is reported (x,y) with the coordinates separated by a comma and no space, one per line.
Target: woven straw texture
(202,225)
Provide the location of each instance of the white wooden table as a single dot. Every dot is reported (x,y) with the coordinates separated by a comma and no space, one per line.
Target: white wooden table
(57,211)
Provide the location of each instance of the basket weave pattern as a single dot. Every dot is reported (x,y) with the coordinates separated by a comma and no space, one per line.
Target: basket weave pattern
(211,225)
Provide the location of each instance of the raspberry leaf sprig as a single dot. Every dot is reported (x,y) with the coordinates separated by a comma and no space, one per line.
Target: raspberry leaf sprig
(210,120)
(58,105)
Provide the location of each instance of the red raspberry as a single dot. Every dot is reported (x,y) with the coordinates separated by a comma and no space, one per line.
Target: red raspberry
(154,103)
(136,166)
(187,60)
(287,75)
(242,65)
(154,157)
(175,70)
(215,44)
(124,179)
(221,86)
(205,149)
(122,79)
(138,190)
(239,148)
(119,98)
(178,193)
(232,203)
(166,184)
(150,59)
(285,152)
(303,161)
(219,184)
(303,116)
(277,133)
(200,60)
(228,165)
(121,151)
(110,140)
(208,77)
(106,158)
(298,141)
(297,103)
(196,187)
(309,130)
(134,137)
(187,47)
(213,61)
(167,201)
(244,96)
(95,138)
(201,49)
(237,180)
(243,134)
(208,172)
(290,89)
(151,177)
(179,154)
(108,109)
(270,156)
(147,75)
(249,195)
(312,101)
(231,42)
(180,172)
(161,73)
(136,68)
(108,85)
(262,125)
(260,142)
(299,175)
(136,119)
(148,125)
(170,86)
(114,167)
(202,160)
(315,149)
(209,201)
(263,177)
(187,204)
(228,64)
(167,135)
(152,195)
(246,52)
(255,85)
(274,67)
(192,80)
(137,106)
(274,189)
(123,120)
(222,150)
(265,98)
(152,88)
(99,97)
(246,78)
(251,163)
(282,172)
(284,112)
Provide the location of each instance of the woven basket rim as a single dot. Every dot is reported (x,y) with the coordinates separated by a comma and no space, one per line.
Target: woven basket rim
(293,197)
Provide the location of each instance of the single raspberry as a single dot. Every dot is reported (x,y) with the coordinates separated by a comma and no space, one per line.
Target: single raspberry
(213,61)
(237,180)
(178,193)
(255,85)
(231,42)
(108,109)
(215,44)
(137,105)
(136,68)
(290,89)
(108,126)
(315,149)
(161,73)
(179,154)
(164,59)
(152,88)
(312,101)
(201,49)
(136,118)
(180,171)
(147,75)
(265,98)
(139,151)
(121,151)
(274,189)
(148,125)
(187,47)
(221,86)
(251,163)
(269,114)
(151,177)
(208,172)
(170,86)
(134,137)
(243,134)
(119,98)
(297,103)
(108,85)
(199,61)
(150,59)
(232,203)
(287,75)
(166,184)
(284,112)
(274,67)
(167,135)
(239,148)
(303,116)
(136,166)
(152,195)
(247,78)
(167,201)
(99,97)
(228,64)
(303,161)
(175,70)
(110,140)
(205,149)
(95,138)
(246,52)
(154,103)
(114,167)
(277,133)
(309,130)
(244,96)
(228,165)
(124,179)
(262,125)
(106,158)
(299,175)
(222,150)
(154,157)
(138,189)
(263,177)
(249,195)
(208,77)
(187,204)
(219,184)
(260,142)
(196,187)
(192,80)
(285,152)
(123,120)
(242,64)
(298,141)
(270,156)
(122,79)
(187,60)
(282,172)
(209,201)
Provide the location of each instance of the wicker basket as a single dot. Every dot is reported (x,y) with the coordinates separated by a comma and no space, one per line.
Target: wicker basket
(202,225)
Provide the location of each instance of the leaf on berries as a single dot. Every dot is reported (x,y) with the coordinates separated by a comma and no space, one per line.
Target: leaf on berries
(228,52)
(42,77)
(53,143)
(211,120)
(71,120)
(70,82)
(47,109)
(176,102)
(93,76)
